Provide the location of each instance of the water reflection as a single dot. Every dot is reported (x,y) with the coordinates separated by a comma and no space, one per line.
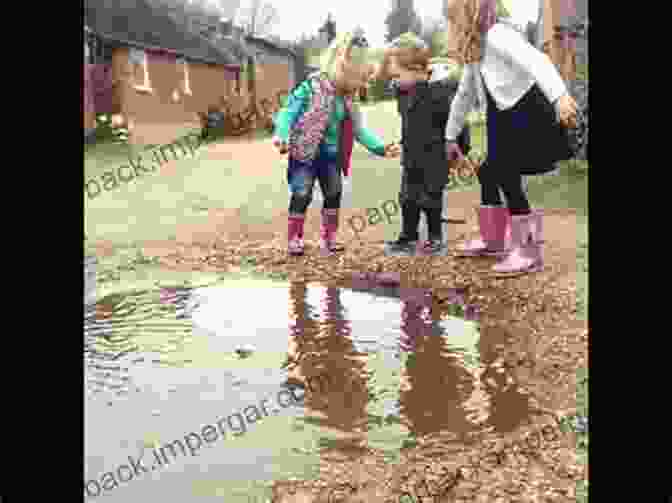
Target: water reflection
(397,365)
(325,347)
(448,381)
(124,332)
(436,383)
(449,387)
(508,406)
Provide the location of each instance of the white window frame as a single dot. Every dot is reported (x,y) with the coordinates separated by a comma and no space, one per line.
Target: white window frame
(186,85)
(139,57)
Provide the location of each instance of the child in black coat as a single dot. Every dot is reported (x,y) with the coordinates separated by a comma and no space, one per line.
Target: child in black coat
(424,103)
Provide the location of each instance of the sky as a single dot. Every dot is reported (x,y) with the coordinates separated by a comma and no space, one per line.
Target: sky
(296,18)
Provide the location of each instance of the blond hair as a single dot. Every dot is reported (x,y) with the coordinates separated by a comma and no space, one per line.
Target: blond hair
(352,45)
(473,18)
(408,40)
(410,52)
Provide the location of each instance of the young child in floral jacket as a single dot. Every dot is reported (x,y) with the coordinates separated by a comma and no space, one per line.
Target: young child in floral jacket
(318,127)
(424,99)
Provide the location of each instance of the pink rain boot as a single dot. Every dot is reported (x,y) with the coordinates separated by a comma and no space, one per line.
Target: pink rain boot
(328,231)
(537,228)
(525,255)
(494,226)
(295,235)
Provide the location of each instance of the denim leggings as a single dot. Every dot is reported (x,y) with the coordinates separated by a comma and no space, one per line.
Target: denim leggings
(301,177)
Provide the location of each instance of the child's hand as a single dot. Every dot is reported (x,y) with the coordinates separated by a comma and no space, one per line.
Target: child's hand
(280,145)
(392,150)
(566,110)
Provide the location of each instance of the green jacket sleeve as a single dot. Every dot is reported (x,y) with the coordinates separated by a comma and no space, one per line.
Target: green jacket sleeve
(372,142)
(296,104)
(365,137)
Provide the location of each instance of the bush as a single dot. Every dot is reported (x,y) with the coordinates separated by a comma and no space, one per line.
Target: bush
(377,90)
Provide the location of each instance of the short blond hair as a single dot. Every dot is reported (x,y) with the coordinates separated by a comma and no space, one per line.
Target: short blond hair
(353,44)
(408,40)
(410,51)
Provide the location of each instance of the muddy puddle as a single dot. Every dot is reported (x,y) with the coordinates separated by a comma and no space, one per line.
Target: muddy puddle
(215,368)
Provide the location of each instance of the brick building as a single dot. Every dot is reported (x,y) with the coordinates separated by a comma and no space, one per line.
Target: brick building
(154,74)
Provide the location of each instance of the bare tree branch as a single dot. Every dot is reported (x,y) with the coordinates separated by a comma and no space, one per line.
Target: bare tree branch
(433,34)
(258,18)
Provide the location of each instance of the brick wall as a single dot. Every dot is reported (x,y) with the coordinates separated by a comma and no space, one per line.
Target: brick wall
(89,114)
(167,106)
(98,93)
(272,78)
(154,115)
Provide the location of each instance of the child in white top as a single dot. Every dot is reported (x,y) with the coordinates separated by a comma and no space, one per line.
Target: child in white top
(525,97)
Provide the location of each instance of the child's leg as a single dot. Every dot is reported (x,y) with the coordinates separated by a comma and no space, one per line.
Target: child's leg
(514,191)
(409,199)
(433,209)
(331,184)
(490,194)
(410,220)
(493,218)
(406,243)
(301,181)
(525,254)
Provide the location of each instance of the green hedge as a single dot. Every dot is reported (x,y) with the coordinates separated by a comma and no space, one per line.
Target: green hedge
(377,90)
(106,132)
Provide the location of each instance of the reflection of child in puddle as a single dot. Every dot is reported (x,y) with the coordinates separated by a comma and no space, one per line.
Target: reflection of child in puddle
(435,384)
(323,357)
(508,407)
(444,391)
(302,330)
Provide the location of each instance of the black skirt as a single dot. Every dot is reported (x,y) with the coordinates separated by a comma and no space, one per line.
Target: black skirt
(526,137)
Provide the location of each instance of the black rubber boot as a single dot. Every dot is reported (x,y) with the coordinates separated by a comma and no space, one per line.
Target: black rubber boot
(434,246)
(405,245)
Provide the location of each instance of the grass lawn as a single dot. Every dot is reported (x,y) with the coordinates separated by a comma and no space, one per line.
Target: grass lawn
(148,208)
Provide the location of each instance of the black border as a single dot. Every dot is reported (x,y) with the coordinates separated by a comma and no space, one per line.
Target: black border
(617,228)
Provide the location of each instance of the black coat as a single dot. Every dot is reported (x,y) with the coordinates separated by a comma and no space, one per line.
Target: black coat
(424,115)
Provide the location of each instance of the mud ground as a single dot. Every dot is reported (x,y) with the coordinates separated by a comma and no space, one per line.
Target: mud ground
(545,344)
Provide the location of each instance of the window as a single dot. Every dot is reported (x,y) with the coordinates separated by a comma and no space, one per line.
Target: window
(184,67)
(138,61)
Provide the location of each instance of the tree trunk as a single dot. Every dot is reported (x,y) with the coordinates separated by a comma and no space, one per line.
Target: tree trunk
(252,86)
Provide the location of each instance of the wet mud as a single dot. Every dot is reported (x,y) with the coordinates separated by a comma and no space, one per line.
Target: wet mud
(490,422)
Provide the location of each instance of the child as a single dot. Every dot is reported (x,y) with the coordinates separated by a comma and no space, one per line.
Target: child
(423,105)
(524,92)
(317,128)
